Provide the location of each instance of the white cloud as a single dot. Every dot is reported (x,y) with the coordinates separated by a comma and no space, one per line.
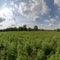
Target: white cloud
(51,22)
(57,16)
(13,5)
(57,2)
(33,9)
(7,14)
(7,24)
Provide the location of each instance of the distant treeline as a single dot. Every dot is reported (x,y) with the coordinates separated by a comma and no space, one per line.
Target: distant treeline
(24,28)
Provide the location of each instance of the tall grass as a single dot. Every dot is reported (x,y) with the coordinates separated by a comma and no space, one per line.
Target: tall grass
(33,45)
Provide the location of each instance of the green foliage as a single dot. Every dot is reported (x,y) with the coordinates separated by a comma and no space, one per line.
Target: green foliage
(40,55)
(33,45)
(54,57)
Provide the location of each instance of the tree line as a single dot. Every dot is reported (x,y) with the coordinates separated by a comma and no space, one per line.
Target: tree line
(24,28)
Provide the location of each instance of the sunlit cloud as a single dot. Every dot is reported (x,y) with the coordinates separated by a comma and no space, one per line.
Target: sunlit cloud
(34,9)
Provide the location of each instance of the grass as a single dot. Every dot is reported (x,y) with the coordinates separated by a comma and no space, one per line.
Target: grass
(33,45)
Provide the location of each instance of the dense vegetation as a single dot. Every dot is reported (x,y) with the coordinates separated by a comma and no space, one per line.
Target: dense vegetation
(25,28)
(33,45)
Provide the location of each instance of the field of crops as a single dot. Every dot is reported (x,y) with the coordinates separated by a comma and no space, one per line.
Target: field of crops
(33,45)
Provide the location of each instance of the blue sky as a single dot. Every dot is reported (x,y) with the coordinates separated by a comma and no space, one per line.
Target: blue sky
(43,13)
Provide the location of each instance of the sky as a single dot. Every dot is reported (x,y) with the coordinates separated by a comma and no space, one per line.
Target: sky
(43,13)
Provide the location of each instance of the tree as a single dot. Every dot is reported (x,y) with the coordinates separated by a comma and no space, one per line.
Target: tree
(29,29)
(20,28)
(35,27)
(58,30)
(24,27)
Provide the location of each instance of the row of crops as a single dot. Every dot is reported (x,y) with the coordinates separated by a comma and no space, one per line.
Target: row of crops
(33,45)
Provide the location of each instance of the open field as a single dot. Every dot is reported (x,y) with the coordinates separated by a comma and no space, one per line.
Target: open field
(33,45)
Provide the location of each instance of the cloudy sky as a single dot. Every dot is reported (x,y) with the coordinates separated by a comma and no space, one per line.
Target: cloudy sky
(43,13)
